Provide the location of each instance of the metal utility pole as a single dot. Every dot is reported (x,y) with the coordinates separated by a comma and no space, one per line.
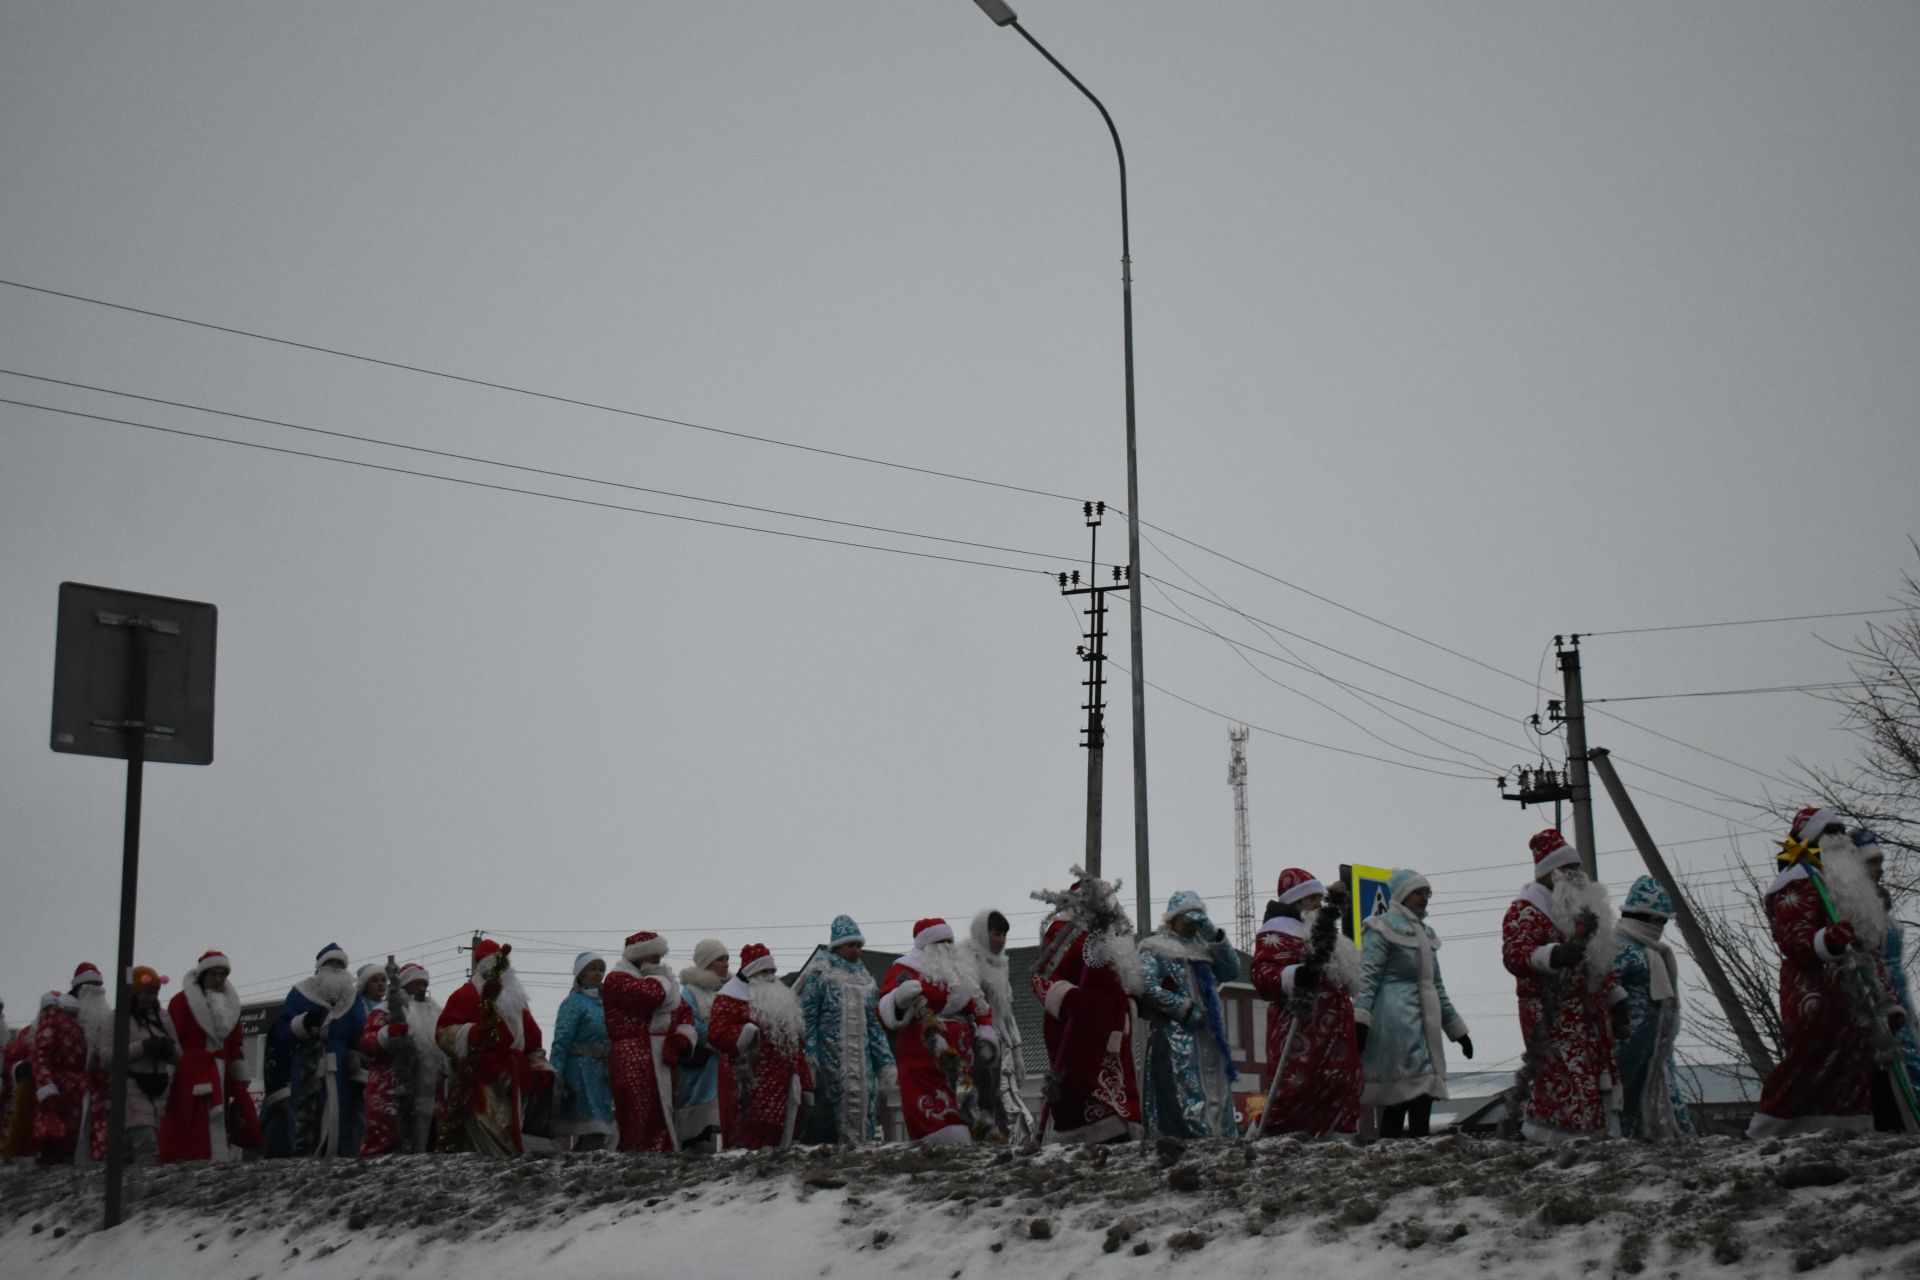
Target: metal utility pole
(1094,654)
(1697,944)
(1004,16)
(1242,842)
(1580,786)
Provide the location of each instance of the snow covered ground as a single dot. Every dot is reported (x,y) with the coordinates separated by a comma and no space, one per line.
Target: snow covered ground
(1448,1209)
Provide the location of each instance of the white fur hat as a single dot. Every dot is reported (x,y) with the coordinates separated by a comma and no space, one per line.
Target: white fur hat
(365,974)
(706,951)
(586,958)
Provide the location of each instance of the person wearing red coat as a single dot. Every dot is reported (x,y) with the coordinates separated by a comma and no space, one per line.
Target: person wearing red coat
(486,1029)
(60,1080)
(96,1020)
(1557,941)
(418,1053)
(931,1003)
(758,1022)
(1836,994)
(1088,977)
(649,1027)
(1317,1057)
(209,1113)
(25,1109)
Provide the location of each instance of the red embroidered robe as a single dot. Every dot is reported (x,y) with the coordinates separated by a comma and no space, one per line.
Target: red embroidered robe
(650,1027)
(927,1101)
(486,1054)
(382,1132)
(1088,1032)
(209,1110)
(1574,1090)
(1825,1078)
(770,1114)
(1321,1079)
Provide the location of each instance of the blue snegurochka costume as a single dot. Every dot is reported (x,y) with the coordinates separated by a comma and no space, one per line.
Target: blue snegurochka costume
(1644,967)
(846,1046)
(578,1056)
(1190,1072)
(1403,1002)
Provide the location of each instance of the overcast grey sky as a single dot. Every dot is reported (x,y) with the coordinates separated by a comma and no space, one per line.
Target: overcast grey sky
(1488,320)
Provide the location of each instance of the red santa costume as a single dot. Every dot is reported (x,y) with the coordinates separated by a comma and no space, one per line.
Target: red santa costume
(209,1113)
(649,1027)
(931,1003)
(1318,1092)
(1087,978)
(59,1058)
(25,1110)
(419,1054)
(495,1046)
(1575,1087)
(96,1020)
(1834,985)
(757,1021)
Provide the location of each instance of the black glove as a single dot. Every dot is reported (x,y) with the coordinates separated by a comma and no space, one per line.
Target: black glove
(1360,1030)
(696,1058)
(1466,1047)
(1565,955)
(1621,1021)
(312,1019)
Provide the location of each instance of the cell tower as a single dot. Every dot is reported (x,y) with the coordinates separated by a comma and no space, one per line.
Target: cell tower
(1242,842)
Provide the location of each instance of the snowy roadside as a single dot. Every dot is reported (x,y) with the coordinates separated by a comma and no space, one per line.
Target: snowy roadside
(1451,1208)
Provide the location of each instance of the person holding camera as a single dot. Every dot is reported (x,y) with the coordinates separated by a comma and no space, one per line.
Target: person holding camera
(1189,1089)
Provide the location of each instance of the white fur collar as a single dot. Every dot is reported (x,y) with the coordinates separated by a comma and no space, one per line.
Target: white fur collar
(217,1012)
(1169,945)
(701,979)
(1785,878)
(736,989)
(335,1008)
(1537,896)
(1287,925)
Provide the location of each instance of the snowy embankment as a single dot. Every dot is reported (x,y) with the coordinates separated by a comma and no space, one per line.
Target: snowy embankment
(1448,1208)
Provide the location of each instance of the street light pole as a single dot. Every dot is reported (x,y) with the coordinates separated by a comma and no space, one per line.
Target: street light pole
(1004,16)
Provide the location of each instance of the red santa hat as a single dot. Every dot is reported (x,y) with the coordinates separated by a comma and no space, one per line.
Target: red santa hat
(487,950)
(1296,884)
(52,998)
(411,973)
(86,972)
(931,930)
(1811,822)
(643,946)
(755,958)
(1551,852)
(214,959)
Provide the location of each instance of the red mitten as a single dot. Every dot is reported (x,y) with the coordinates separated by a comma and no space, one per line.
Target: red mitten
(1840,936)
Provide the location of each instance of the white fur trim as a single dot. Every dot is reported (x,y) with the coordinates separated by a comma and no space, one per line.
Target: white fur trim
(640,952)
(413,973)
(749,1036)
(891,1015)
(1455,1030)
(331,953)
(1287,976)
(1541,961)
(203,1090)
(761,965)
(986,1032)
(1816,823)
(1539,897)
(1765,1126)
(1056,996)
(942,932)
(1565,856)
(1286,926)
(953,1135)
(1795,872)
(1362,1017)
(214,961)
(1820,946)
(1615,996)
(1305,889)
(688,1030)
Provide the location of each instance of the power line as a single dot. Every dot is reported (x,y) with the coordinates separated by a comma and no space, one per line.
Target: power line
(538,395)
(1305,742)
(1746,622)
(531,493)
(532,470)
(1729,693)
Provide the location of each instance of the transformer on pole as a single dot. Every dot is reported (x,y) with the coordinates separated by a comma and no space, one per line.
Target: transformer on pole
(1242,842)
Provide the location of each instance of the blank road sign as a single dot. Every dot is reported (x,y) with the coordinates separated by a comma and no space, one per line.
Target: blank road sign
(93,674)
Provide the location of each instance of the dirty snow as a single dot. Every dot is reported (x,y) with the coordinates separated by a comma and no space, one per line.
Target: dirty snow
(1452,1208)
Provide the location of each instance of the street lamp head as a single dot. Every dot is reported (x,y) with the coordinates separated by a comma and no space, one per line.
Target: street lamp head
(1002,14)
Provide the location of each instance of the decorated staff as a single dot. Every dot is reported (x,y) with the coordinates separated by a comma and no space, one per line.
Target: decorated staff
(497,1054)
(933,1006)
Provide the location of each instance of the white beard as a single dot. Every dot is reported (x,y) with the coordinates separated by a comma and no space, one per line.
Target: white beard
(776,1011)
(942,964)
(423,1020)
(332,988)
(216,1011)
(1572,892)
(1855,896)
(96,1018)
(1118,951)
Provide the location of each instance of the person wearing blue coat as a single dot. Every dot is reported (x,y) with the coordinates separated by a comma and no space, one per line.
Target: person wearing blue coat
(1401,1012)
(699,1085)
(583,1096)
(1190,1071)
(309,1062)
(1645,968)
(846,1046)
